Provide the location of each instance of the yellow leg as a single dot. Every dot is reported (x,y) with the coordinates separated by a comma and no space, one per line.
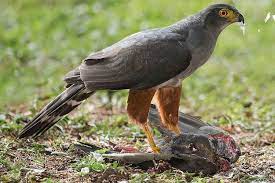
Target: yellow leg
(150,138)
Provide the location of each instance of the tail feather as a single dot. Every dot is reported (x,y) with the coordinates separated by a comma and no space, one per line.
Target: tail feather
(64,103)
(45,113)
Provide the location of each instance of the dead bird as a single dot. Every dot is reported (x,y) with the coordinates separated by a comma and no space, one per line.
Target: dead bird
(199,148)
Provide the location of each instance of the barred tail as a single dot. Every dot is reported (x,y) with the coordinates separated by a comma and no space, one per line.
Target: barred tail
(52,113)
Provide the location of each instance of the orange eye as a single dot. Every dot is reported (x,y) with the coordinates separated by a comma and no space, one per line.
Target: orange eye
(223,13)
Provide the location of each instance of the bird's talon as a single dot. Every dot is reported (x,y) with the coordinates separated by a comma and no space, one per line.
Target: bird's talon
(156,149)
(150,138)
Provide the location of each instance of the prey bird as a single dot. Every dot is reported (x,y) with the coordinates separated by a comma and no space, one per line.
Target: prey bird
(150,63)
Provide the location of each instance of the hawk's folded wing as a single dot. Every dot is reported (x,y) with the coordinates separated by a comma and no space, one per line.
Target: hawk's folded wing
(143,60)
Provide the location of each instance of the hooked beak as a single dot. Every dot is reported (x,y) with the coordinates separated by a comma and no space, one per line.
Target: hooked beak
(241,18)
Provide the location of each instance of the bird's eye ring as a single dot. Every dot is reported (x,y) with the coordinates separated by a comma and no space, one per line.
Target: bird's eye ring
(223,13)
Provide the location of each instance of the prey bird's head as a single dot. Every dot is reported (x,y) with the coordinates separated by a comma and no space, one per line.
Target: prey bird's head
(219,16)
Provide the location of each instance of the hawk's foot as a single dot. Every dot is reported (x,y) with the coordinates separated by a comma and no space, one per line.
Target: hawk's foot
(150,138)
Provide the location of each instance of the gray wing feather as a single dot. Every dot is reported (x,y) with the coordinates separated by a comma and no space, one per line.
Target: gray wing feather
(73,77)
(141,61)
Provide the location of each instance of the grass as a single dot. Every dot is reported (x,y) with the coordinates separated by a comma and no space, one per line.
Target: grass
(42,40)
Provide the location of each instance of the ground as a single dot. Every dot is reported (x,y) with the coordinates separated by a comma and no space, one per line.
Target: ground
(42,40)
(53,157)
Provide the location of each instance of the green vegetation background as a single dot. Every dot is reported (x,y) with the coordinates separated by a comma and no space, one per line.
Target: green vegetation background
(40,41)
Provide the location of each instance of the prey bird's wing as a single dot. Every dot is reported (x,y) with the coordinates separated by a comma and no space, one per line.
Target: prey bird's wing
(141,61)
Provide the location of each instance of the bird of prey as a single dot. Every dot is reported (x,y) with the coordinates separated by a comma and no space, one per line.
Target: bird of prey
(150,63)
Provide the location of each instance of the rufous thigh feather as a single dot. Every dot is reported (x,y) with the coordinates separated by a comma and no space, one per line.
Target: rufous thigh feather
(168,101)
(139,104)
(138,108)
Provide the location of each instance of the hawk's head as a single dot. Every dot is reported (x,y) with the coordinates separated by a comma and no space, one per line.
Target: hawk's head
(220,16)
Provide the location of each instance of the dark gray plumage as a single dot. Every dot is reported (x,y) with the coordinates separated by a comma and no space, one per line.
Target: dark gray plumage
(153,58)
(52,113)
(138,62)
